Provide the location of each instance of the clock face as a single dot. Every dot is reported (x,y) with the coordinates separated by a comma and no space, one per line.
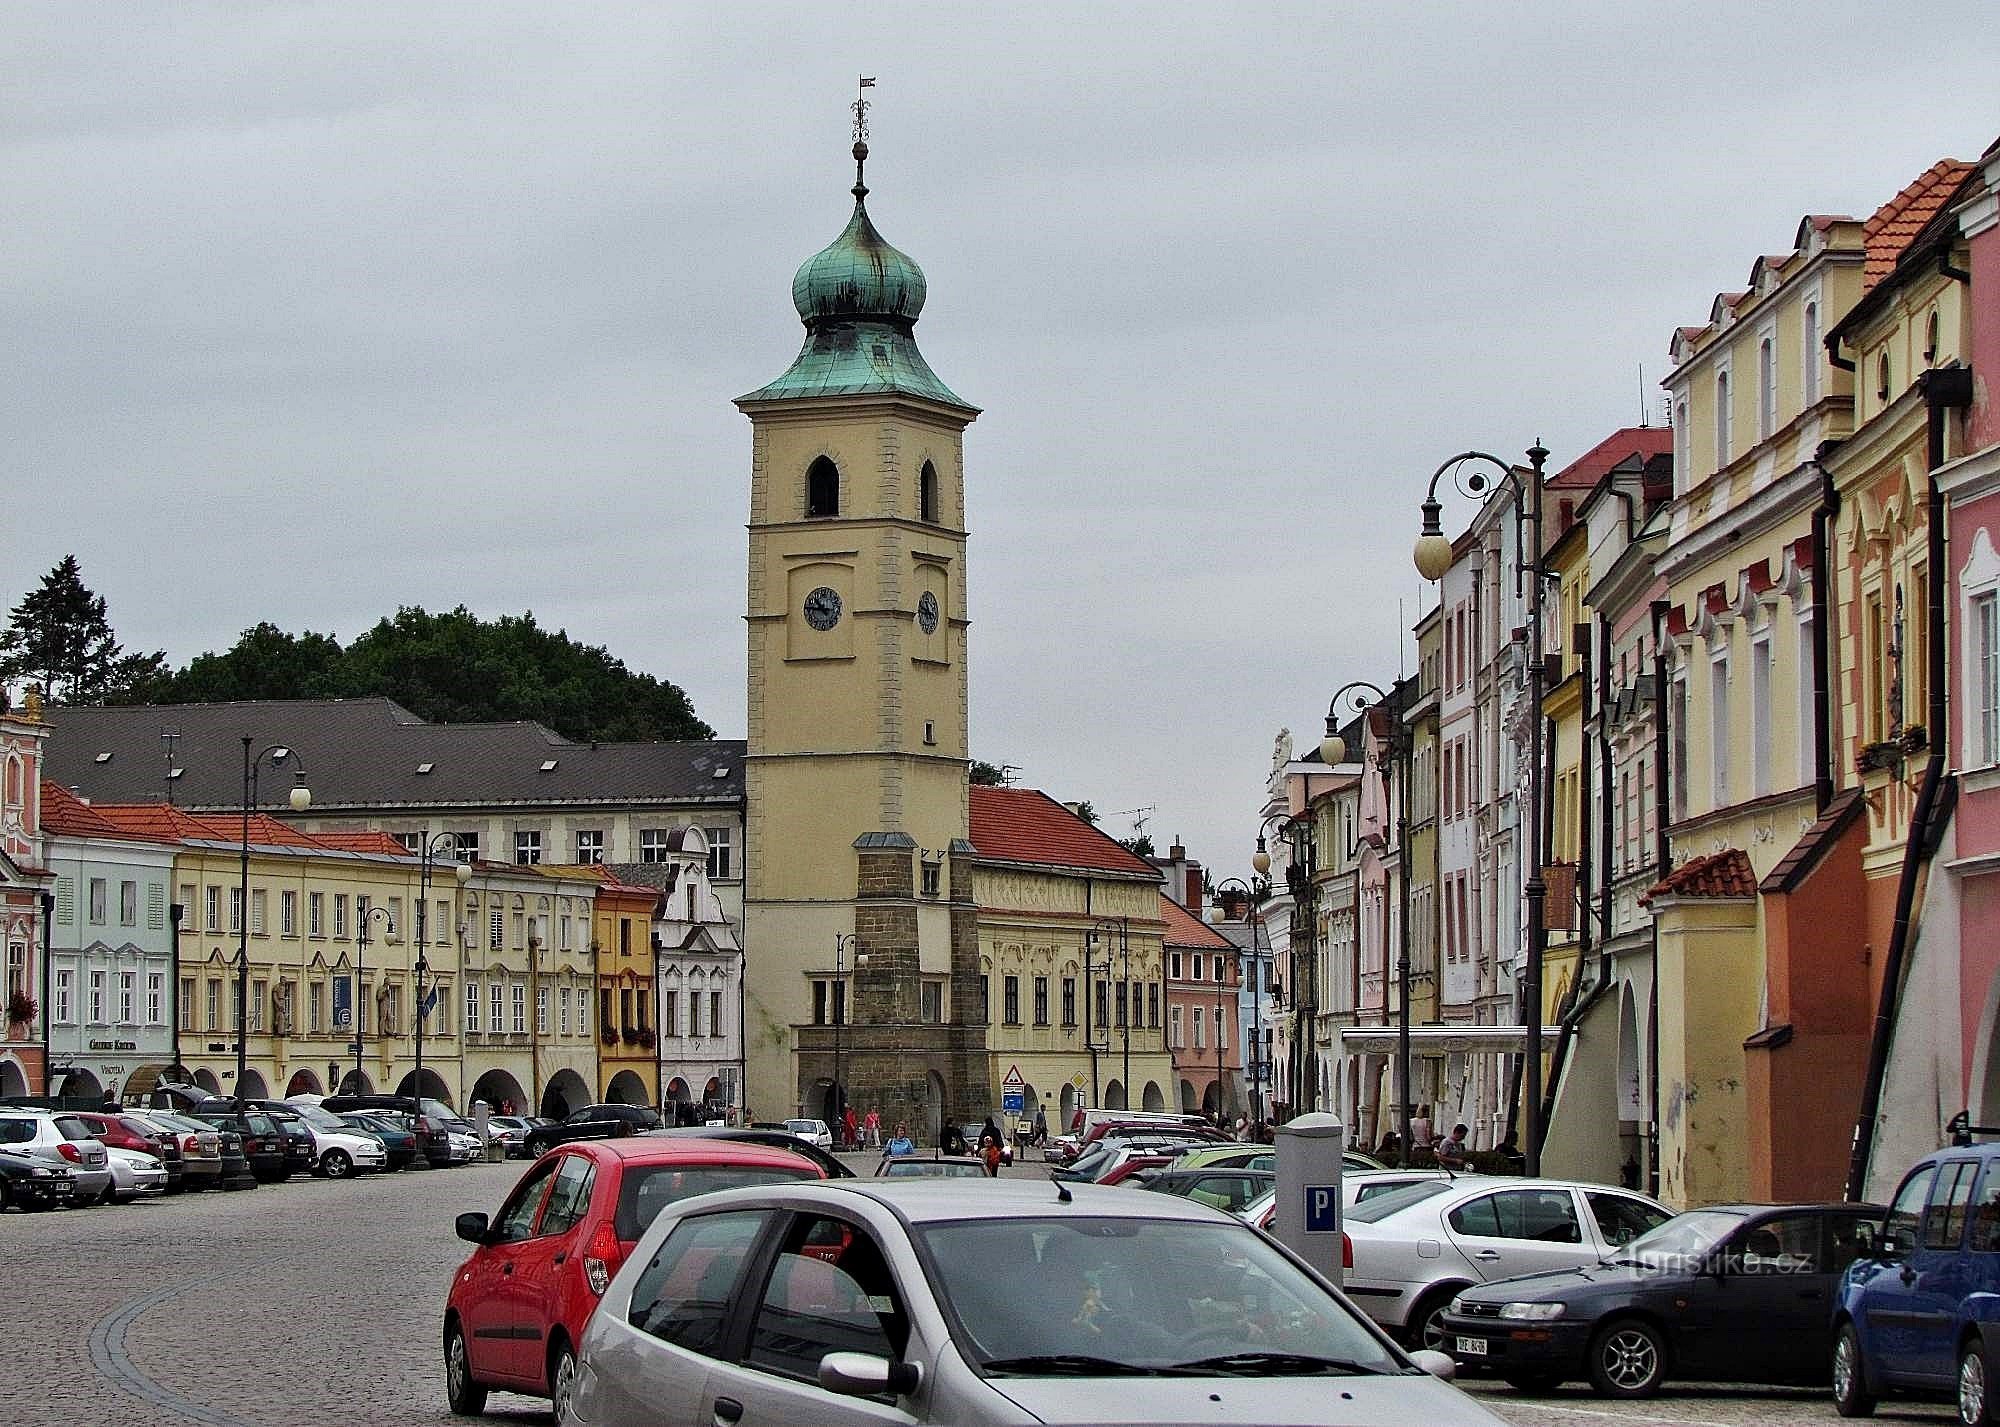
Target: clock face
(927,612)
(823,609)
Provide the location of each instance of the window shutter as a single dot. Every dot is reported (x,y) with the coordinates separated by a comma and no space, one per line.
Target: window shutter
(65,900)
(156,906)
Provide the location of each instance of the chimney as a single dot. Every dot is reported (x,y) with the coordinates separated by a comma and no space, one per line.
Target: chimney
(1193,898)
(1176,853)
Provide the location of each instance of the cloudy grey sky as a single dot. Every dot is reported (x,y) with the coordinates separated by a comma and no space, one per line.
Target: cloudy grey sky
(314,311)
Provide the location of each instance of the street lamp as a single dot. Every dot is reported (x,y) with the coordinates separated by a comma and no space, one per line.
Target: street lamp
(361,921)
(428,851)
(1256,1067)
(1358,695)
(301,799)
(1125,1027)
(1434,557)
(836,1100)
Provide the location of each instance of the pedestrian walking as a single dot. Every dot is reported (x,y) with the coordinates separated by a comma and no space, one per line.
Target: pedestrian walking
(847,1128)
(1041,1126)
(989,1148)
(873,1125)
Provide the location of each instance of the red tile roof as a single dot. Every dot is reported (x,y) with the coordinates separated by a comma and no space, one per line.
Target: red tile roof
(1720,874)
(65,814)
(1026,825)
(1589,468)
(1896,223)
(163,822)
(1184,928)
(376,842)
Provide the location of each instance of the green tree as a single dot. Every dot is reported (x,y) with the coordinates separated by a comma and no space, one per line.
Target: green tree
(60,637)
(265,663)
(1087,813)
(1139,845)
(988,775)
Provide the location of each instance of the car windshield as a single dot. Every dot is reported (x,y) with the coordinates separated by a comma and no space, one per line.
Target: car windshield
(16,1132)
(1683,1239)
(646,1189)
(1125,1296)
(259,1124)
(803,1127)
(1375,1210)
(321,1119)
(934,1169)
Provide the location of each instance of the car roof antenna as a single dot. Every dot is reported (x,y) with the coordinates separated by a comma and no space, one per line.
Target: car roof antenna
(1063,1196)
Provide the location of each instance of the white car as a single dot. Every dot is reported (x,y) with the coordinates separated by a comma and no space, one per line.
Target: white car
(340,1149)
(813,1132)
(1408,1251)
(465,1146)
(133,1173)
(1354,1189)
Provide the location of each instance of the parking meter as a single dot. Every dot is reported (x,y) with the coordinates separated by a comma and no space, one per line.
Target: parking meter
(1306,1217)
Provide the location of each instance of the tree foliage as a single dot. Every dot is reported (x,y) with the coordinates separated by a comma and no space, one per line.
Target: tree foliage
(450,667)
(59,636)
(988,775)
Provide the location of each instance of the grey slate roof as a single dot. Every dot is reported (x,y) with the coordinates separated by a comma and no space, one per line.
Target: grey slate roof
(365,753)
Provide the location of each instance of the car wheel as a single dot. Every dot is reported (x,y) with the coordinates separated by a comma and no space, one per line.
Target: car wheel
(1425,1328)
(1628,1358)
(562,1381)
(1973,1407)
(467,1398)
(336,1164)
(1850,1383)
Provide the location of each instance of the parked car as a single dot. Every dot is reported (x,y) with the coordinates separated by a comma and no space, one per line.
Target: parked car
(1098,1124)
(430,1119)
(592,1122)
(937,1166)
(58,1139)
(341,1149)
(512,1131)
(1104,1155)
(464,1142)
(134,1173)
(813,1132)
(1230,1190)
(27,1182)
(1732,1293)
(518,1305)
(126,1132)
(971,1130)
(1918,1311)
(399,1141)
(1207,1156)
(938,1303)
(777,1137)
(200,1146)
(1409,1252)
(301,1155)
(1355,1188)
(261,1141)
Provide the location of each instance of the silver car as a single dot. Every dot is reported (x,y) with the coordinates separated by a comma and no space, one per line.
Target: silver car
(133,1173)
(843,1302)
(1410,1250)
(59,1139)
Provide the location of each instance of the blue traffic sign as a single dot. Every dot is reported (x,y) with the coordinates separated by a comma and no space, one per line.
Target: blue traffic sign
(1322,1208)
(1010,1102)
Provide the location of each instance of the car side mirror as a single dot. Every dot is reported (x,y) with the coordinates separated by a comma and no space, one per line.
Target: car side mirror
(1441,1366)
(866,1375)
(473,1228)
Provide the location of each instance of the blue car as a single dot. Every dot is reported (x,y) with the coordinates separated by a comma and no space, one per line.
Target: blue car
(1919,1311)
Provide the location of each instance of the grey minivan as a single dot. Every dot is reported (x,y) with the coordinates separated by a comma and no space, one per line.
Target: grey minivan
(879,1300)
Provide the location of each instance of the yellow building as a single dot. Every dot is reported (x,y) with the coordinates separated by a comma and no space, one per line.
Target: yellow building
(621,942)
(1422,725)
(530,987)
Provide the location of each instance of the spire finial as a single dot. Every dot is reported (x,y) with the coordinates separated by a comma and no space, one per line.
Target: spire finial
(860,107)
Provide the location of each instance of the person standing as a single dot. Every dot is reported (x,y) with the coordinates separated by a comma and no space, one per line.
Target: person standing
(1420,1129)
(1452,1153)
(848,1124)
(873,1125)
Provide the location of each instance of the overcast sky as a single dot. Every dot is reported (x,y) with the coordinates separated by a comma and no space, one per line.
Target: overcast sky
(310,312)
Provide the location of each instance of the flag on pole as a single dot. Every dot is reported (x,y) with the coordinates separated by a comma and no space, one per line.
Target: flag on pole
(867,83)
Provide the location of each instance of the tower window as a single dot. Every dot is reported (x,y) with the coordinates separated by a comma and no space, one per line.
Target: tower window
(1882,379)
(927,501)
(1930,341)
(822,489)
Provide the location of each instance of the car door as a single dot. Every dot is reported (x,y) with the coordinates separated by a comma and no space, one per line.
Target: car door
(543,1271)
(1508,1232)
(491,1310)
(827,1289)
(1941,1278)
(656,1366)
(1885,1300)
(1771,1298)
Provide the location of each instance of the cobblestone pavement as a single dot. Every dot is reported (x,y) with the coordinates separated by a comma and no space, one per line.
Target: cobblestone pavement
(312,1302)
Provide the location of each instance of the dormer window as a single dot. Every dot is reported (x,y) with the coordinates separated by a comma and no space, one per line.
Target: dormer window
(822,489)
(927,492)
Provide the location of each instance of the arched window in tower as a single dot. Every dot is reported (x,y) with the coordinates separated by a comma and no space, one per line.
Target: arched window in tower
(1931,340)
(927,498)
(822,489)
(1882,379)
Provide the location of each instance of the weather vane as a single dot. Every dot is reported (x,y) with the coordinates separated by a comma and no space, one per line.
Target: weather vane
(860,107)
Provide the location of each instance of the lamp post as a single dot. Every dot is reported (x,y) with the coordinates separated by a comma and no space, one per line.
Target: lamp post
(1125,1027)
(1434,557)
(1333,750)
(429,849)
(363,916)
(1255,1066)
(301,799)
(837,1097)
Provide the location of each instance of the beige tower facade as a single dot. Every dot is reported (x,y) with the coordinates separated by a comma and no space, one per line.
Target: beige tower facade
(860,933)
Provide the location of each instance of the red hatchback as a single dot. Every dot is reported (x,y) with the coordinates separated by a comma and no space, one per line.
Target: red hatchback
(518,1305)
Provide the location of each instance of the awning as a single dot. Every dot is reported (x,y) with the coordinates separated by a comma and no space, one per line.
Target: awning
(1442,1040)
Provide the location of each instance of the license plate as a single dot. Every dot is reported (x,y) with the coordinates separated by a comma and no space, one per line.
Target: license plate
(1471,1347)
(63,1188)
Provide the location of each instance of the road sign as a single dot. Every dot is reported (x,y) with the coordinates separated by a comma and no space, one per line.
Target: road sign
(1010,1102)
(1013,1080)
(1322,1208)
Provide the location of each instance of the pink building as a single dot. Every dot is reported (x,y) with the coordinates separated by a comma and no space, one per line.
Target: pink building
(24,880)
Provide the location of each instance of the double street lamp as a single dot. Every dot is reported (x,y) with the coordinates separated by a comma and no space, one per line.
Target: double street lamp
(428,851)
(1434,556)
(1356,697)
(301,799)
(1123,928)
(836,1099)
(1256,1066)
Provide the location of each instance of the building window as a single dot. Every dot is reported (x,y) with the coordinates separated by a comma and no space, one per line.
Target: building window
(1153,1005)
(1677,741)
(694,1014)
(1199,1020)
(99,894)
(128,989)
(1124,1001)
(1198,963)
(931,878)
(1173,966)
(927,492)
(822,489)
(235,909)
(412,841)
(64,991)
(1931,340)
(582,1014)
(653,844)
(214,999)
(562,1010)
(527,847)
(564,930)
(1723,434)
(1041,1000)
(624,936)
(187,1003)
(315,914)
(985,1000)
(520,1009)
(718,852)
(1069,1001)
(590,845)
(472,1007)
(1882,379)
(1767,388)
(1762,716)
(1986,657)
(541,1010)
(128,904)
(96,998)
(212,908)
(496,1001)
(467,848)
(315,1006)
(259,909)
(496,929)
(1718,727)
(932,1006)
(1010,1004)
(1175,1037)
(288,913)
(340,916)
(670,1011)
(1103,989)
(257,998)
(1810,357)
(714,1012)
